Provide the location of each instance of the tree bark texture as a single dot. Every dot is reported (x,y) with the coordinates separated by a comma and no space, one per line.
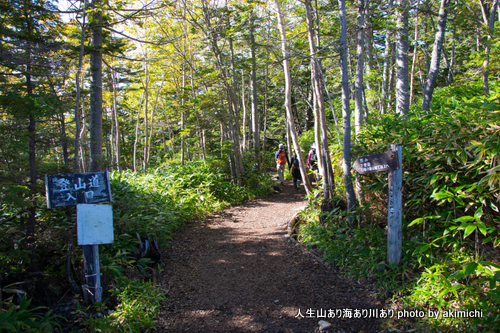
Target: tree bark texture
(96,90)
(358,82)
(402,91)
(319,97)
(436,55)
(346,113)
(253,96)
(288,97)
(489,22)
(387,63)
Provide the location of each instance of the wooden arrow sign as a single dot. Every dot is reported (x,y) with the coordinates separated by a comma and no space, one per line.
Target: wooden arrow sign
(387,161)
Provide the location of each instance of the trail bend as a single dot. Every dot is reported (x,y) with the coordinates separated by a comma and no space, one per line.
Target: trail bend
(235,271)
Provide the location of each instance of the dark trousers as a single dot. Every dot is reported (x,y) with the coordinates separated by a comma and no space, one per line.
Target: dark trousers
(296,181)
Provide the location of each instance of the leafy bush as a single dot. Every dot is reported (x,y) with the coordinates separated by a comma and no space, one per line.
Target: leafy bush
(138,305)
(451,220)
(19,318)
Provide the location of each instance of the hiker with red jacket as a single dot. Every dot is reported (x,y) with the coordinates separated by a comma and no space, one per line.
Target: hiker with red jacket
(281,159)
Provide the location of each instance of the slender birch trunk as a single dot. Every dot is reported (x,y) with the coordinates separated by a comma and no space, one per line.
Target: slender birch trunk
(243,104)
(96,91)
(387,64)
(358,83)
(288,97)
(436,56)
(414,61)
(402,89)
(146,102)
(114,85)
(346,113)
(328,181)
(489,22)
(77,83)
(253,95)
(452,56)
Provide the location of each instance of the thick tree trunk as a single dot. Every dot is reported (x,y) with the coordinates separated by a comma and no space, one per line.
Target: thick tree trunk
(346,113)
(402,93)
(288,98)
(436,56)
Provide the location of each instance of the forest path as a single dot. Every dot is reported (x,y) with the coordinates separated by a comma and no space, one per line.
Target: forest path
(235,271)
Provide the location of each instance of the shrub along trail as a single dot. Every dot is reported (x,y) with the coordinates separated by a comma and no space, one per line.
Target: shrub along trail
(235,271)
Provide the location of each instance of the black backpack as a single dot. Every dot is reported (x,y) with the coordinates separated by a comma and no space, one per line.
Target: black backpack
(314,157)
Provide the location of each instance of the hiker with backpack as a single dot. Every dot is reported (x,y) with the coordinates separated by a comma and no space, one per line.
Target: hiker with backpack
(295,170)
(281,159)
(312,161)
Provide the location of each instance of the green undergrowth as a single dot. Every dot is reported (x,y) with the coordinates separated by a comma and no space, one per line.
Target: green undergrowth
(155,204)
(451,220)
(138,305)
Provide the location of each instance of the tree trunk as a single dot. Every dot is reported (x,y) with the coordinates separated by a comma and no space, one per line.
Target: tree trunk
(96,90)
(346,114)
(415,51)
(436,56)
(114,85)
(137,135)
(288,98)
(265,109)
(243,104)
(31,221)
(233,109)
(387,64)
(358,83)
(77,84)
(146,103)
(452,57)
(253,96)
(324,156)
(402,96)
(368,47)
(489,22)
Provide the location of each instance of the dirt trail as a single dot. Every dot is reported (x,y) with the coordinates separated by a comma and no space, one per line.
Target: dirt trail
(235,271)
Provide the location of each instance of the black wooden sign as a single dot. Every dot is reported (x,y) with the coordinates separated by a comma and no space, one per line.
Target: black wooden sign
(387,161)
(66,190)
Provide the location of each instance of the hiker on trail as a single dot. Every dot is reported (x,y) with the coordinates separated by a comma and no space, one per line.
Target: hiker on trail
(281,159)
(312,161)
(295,166)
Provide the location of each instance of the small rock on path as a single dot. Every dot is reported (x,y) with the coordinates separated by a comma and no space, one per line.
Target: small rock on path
(235,271)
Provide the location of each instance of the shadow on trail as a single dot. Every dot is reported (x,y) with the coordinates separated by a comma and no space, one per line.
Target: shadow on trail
(224,276)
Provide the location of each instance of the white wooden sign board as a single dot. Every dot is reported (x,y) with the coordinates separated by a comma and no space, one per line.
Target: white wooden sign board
(94,224)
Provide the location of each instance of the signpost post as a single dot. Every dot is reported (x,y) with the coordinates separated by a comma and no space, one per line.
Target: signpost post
(94,222)
(389,161)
